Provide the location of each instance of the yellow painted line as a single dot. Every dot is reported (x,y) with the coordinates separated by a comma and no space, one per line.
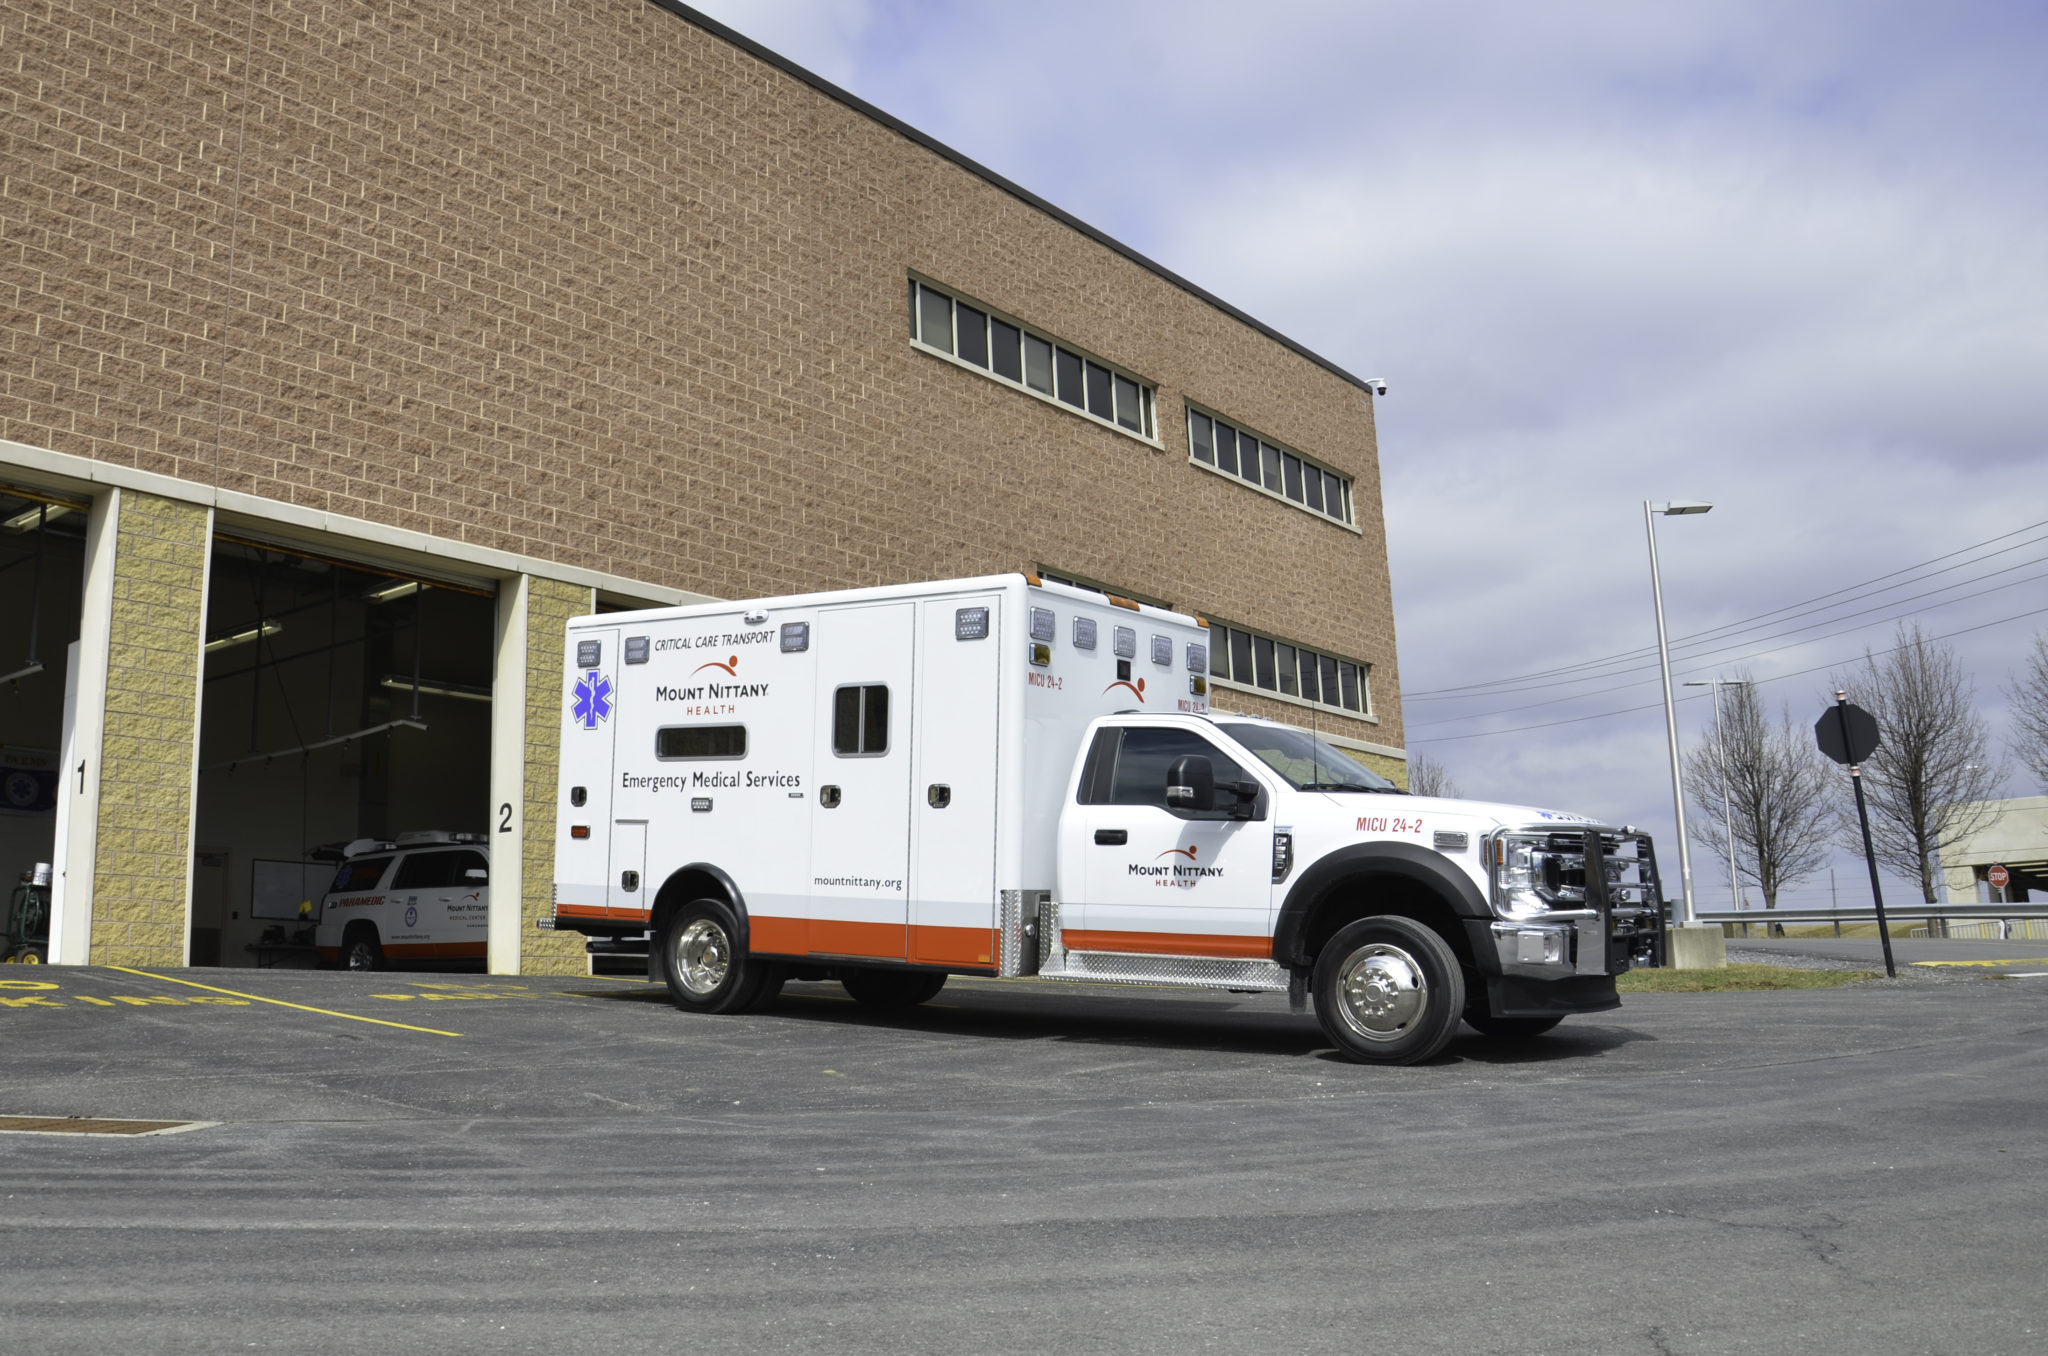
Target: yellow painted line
(259,998)
(2016,960)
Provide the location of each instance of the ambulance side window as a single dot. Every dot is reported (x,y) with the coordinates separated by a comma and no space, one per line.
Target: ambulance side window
(427,871)
(361,874)
(1144,757)
(860,721)
(1094,787)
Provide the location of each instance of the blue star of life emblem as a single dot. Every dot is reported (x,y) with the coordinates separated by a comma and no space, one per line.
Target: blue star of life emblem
(593,699)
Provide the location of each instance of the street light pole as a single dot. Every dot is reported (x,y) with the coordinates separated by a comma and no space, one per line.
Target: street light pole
(1687,915)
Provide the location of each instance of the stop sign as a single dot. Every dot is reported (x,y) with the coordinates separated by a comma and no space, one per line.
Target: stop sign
(1846,733)
(1999,877)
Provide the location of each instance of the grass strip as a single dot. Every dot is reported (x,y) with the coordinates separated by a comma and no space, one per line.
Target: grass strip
(1738,978)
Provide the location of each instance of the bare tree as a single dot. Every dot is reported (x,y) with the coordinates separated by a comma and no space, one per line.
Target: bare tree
(1777,794)
(2029,695)
(1428,777)
(1930,781)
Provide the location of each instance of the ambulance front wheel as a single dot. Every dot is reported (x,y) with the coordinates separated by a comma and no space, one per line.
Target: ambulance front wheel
(359,950)
(705,969)
(1388,990)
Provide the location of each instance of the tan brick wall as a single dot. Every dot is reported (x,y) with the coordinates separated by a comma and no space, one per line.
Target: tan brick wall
(584,281)
(152,715)
(549,606)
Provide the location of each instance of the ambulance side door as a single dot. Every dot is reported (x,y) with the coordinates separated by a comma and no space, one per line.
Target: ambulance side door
(860,825)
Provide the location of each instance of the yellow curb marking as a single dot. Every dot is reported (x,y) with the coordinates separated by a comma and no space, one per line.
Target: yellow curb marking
(2016,960)
(279,1002)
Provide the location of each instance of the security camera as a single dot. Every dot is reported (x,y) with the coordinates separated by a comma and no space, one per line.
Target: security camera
(1376,386)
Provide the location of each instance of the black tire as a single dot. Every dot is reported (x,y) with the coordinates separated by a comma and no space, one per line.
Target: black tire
(705,969)
(360,951)
(1388,990)
(892,990)
(1509,1028)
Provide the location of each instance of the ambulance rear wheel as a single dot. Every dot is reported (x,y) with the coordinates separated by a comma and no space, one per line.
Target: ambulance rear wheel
(705,969)
(359,950)
(1388,990)
(892,990)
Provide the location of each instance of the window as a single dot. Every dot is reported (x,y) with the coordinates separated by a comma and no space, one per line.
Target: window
(361,874)
(700,741)
(1012,352)
(1304,760)
(1144,756)
(1279,471)
(429,870)
(860,721)
(1247,659)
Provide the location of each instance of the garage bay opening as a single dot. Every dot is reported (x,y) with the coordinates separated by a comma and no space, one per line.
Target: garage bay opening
(344,766)
(42,566)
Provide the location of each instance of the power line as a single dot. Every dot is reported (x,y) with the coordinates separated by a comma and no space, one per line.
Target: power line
(1697,662)
(1776,678)
(1742,623)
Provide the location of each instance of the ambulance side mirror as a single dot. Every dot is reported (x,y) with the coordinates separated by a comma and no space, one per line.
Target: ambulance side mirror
(1191,784)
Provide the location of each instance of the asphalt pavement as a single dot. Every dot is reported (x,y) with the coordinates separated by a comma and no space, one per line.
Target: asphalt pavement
(433,1163)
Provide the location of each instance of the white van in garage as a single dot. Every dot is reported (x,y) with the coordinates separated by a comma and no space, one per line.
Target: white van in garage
(422,896)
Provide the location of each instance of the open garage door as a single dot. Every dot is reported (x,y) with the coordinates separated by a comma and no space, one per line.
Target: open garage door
(344,775)
(42,569)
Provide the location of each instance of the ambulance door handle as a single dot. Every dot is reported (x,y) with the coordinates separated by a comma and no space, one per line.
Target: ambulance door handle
(938,795)
(828,796)
(1111,837)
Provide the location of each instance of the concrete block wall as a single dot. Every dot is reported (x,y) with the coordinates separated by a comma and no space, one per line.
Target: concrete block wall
(550,605)
(142,873)
(589,282)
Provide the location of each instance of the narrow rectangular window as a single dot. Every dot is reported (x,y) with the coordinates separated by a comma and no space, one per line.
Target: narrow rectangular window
(1348,675)
(1311,690)
(935,319)
(1219,652)
(1068,367)
(700,741)
(860,721)
(1226,448)
(1328,665)
(1037,364)
(1269,460)
(1199,438)
(1240,656)
(1098,392)
(1130,412)
(973,328)
(1262,656)
(1291,471)
(1346,487)
(1284,654)
(1002,350)
(1312,481)
(913,308)
(1248,457)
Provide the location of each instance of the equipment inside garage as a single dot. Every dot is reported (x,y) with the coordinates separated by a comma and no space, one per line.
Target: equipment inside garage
(42,566)
(341,705)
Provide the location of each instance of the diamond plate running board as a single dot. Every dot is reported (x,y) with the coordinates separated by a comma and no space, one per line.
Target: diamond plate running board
(1192,972)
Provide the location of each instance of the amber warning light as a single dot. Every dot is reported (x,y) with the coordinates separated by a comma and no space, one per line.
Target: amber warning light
(579,831)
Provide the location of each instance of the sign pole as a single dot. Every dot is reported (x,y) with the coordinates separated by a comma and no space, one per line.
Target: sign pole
(1884,932)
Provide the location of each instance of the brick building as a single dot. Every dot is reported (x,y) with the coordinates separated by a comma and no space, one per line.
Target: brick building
(350,349)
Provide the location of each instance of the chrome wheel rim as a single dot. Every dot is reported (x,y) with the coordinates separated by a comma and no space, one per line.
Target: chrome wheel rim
(1381,992)
(703,957)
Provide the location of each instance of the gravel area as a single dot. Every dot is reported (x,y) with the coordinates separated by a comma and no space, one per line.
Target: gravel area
(1909,975)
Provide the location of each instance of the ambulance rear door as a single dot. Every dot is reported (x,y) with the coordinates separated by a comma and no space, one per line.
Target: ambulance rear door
(589,720)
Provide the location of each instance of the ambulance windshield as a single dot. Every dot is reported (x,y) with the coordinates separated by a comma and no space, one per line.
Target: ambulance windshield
(1304,760)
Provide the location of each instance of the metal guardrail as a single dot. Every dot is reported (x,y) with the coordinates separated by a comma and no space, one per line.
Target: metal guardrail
(1956,922)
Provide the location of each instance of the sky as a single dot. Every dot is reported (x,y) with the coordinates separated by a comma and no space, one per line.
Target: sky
(1785,259)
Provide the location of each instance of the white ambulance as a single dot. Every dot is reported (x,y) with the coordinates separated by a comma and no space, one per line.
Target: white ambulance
(1010,777)
(422,896)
